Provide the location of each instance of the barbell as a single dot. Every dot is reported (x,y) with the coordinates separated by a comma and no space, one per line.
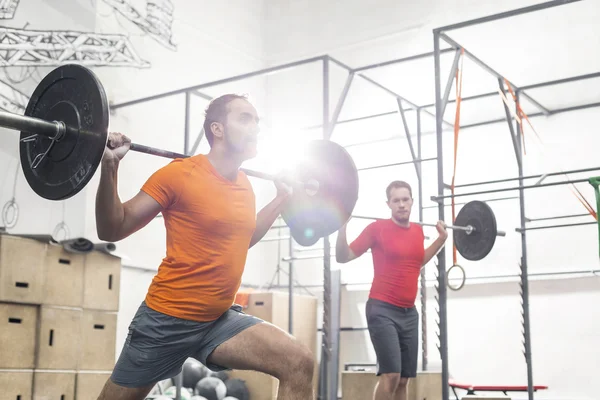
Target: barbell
(64,132)
(475,230)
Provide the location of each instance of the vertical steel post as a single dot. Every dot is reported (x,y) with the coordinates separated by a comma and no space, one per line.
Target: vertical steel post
(514,137)
(291,287)
(186,137)
(326,361)
(595,182)
(178,385)
(336,300)
(524,272)
(442,289)
(409,139)
(423,278)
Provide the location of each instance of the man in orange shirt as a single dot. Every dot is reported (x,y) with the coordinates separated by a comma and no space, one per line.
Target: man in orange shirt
(209,211)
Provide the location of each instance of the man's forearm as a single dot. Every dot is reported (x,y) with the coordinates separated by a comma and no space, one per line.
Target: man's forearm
(109,208)
(342,250)
(266,217)
(433,249)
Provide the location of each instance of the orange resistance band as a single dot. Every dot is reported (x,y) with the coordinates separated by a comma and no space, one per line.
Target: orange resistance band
(456,132)
(522,115)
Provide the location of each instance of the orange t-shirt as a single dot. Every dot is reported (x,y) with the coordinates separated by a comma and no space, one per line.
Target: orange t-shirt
(209,221)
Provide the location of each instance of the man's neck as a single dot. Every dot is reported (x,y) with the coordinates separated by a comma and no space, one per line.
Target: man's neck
(404,224)
(226,165)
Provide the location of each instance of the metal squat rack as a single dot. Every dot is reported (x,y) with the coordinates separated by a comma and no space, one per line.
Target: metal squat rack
(328,377)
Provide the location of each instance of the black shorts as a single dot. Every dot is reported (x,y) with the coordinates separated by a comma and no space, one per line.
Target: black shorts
(395,336)
(158,344)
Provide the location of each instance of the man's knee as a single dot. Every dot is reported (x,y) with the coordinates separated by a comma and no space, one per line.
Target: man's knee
(402,383)
(389,382)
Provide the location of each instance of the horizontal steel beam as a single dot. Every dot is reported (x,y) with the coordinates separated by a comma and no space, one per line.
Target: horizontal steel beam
(398,163)
(493,72)
(571,171)
(401,60)
(505,14)
(265,71)
(535,228)
(557,217)
(341,64)
(487,201)
(436,198)
(533,115)
(561,81)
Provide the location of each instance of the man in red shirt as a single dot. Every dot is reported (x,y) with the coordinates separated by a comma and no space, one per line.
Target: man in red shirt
(399,253)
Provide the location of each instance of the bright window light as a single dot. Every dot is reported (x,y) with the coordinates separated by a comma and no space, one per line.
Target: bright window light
(279,151)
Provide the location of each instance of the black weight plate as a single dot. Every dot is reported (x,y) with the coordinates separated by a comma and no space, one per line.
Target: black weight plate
(476,245)
(311,217)
(74,95)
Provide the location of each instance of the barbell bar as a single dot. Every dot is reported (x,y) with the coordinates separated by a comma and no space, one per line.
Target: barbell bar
(64,133)
(475,227)
(469,228)
(57,130)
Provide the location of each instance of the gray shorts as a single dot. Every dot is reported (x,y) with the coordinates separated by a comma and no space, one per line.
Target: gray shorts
(395,336)
(157,344)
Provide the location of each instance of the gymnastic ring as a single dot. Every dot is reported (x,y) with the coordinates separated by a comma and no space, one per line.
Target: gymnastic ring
(462,283)
(61,227)
(8,207)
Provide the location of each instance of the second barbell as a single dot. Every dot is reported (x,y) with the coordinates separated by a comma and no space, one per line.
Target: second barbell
(475,227)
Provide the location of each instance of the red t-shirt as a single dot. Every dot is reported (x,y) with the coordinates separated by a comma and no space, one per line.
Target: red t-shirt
(398,254)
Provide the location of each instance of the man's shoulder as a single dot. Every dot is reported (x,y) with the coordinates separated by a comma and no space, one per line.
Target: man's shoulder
(416,227)
(176,165)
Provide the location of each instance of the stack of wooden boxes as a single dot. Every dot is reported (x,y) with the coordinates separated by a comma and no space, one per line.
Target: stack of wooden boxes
(359,385)
(273,307)
(58,320)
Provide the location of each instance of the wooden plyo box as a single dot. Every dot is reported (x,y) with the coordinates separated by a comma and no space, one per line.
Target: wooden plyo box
(63,277)
(360,385)
(273,307)
(50,385)
(18,324)
(101,281)
(16,385)
(21,269)
(98,340)
(59,338)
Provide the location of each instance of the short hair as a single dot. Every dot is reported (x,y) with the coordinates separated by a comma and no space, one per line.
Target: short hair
(217,112)
(397,185)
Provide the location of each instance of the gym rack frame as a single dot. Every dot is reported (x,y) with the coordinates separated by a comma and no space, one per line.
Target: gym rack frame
(328,377)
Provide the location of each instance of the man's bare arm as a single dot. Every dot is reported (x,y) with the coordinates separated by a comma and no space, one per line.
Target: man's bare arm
(343,252)
(116,220)
(437,245)
(266,217)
